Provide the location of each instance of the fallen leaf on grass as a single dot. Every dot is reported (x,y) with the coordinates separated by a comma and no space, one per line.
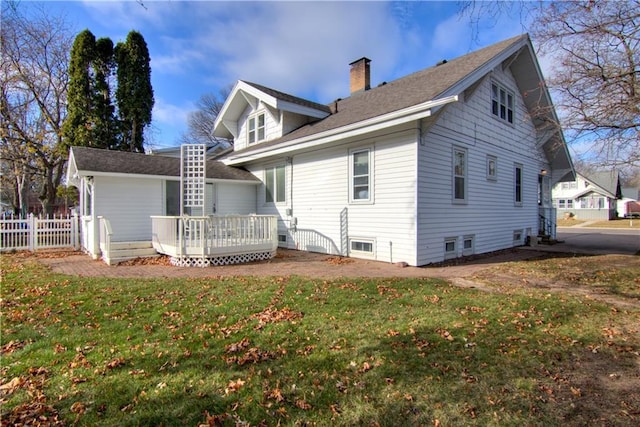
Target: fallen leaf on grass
(214,420)
(12,385)
(237,347)
(234,386)
(118,361)
(78,408)
(303,404)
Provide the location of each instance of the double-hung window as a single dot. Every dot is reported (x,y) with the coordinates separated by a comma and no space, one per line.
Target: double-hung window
(502,102)
(459,175)
(255,128)
(361,169)
(275,185)
(517,184)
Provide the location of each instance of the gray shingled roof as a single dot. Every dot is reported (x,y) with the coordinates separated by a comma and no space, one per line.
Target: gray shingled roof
(414,89)
(289,98)
(109,161)
(607,180)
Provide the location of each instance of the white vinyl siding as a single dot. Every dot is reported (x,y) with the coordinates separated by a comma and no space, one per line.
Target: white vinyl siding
(489,214)
(235,198)
(319,197)
(128,204)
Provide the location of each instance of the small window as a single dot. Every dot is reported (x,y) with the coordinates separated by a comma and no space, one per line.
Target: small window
(492,168)
(255,128)
(569,204)
(450,250)
(561,204)
(275,185)
(361,184)
(517,237)
(459,175)
(468,245)
(502,101)
(282,238)
(517,184)
(361,246)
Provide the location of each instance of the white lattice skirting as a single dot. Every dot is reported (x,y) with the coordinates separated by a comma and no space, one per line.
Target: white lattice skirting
(221,260)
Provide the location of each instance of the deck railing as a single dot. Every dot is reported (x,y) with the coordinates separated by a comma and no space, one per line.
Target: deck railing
(105,235)
(210,236)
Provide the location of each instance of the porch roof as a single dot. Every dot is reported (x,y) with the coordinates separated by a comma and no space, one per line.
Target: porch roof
(85,161)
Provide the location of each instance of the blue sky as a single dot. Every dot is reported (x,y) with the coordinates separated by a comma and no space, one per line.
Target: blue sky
(298,47)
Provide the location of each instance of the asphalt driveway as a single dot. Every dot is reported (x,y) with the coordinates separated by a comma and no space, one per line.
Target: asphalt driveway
(597,241)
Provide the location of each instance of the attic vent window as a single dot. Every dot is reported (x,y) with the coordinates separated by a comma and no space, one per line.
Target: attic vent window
(256,128)
(502,102)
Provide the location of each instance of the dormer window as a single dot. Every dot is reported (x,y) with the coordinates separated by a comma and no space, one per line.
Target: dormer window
(502,102)
(256,128)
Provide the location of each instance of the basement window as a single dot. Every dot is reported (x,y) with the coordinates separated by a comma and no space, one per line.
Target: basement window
(468,245)
(450,250)
(361,246)
(517,238)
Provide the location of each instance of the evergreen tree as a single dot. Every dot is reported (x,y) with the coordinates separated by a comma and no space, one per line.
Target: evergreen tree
(78,123)
(106,126)
(134,95)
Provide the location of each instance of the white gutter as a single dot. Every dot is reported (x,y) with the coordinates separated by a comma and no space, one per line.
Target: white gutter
(168,177)
(414,112)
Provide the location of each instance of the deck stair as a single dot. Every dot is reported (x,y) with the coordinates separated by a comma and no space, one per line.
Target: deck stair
(123,251)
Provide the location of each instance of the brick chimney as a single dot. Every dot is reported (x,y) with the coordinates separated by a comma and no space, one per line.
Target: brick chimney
(360,75)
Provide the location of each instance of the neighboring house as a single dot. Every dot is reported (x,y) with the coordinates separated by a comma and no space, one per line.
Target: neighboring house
(214,149)
(629,206)
(453,160)
(591,196)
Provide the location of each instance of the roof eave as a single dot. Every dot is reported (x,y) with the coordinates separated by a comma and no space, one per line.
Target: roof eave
(395,118)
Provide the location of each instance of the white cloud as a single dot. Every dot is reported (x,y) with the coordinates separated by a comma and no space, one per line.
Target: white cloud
(170,114)
(295,46)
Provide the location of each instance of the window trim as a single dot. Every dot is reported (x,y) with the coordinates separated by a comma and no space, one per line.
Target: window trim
(464,176)
(518,184)
(498,104)
(254,120)
(494,159)
(275,200)
(352,176)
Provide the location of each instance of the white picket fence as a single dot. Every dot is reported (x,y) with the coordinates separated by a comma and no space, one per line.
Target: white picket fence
(33,233)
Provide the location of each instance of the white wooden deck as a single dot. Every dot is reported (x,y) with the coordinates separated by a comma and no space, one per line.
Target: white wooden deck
(217,240)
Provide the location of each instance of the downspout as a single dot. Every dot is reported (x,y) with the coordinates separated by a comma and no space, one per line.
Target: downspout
(292,223)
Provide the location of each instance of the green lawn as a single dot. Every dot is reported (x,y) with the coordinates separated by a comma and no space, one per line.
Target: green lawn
(297,351)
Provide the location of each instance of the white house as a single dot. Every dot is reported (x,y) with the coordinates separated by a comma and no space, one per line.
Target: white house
(591,196)
(453,160)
